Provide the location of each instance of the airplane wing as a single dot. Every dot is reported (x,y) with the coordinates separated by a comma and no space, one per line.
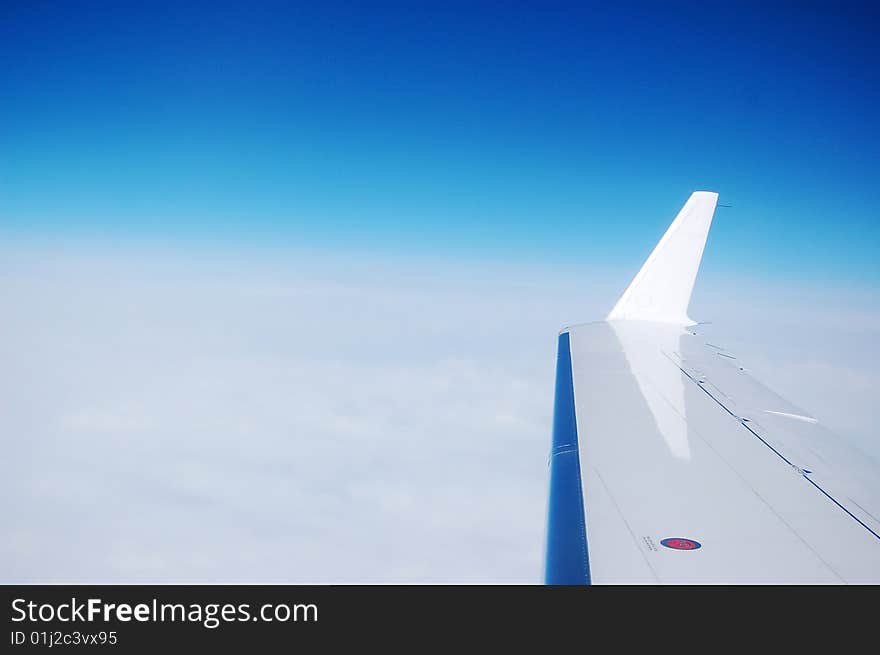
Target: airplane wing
(672,464)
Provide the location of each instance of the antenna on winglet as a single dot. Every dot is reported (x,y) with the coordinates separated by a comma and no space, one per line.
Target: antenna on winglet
(661,290)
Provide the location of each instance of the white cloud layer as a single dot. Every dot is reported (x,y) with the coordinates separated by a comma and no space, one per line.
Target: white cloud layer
(341,421)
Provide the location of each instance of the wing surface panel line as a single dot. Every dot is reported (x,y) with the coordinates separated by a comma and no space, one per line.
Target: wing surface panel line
(778,454)
(626,523)
(735,471)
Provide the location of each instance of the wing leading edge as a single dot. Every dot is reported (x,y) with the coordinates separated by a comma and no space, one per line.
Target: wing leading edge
(690,470)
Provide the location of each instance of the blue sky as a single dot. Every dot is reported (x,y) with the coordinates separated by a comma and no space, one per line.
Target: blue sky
(508,132)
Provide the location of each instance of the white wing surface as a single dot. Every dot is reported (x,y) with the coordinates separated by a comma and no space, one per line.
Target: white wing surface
(671,464)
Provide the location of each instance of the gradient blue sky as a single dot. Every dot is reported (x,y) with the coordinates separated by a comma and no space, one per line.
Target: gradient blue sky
(561,134)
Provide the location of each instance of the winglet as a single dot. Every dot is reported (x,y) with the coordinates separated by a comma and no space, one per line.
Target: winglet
(661,290)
